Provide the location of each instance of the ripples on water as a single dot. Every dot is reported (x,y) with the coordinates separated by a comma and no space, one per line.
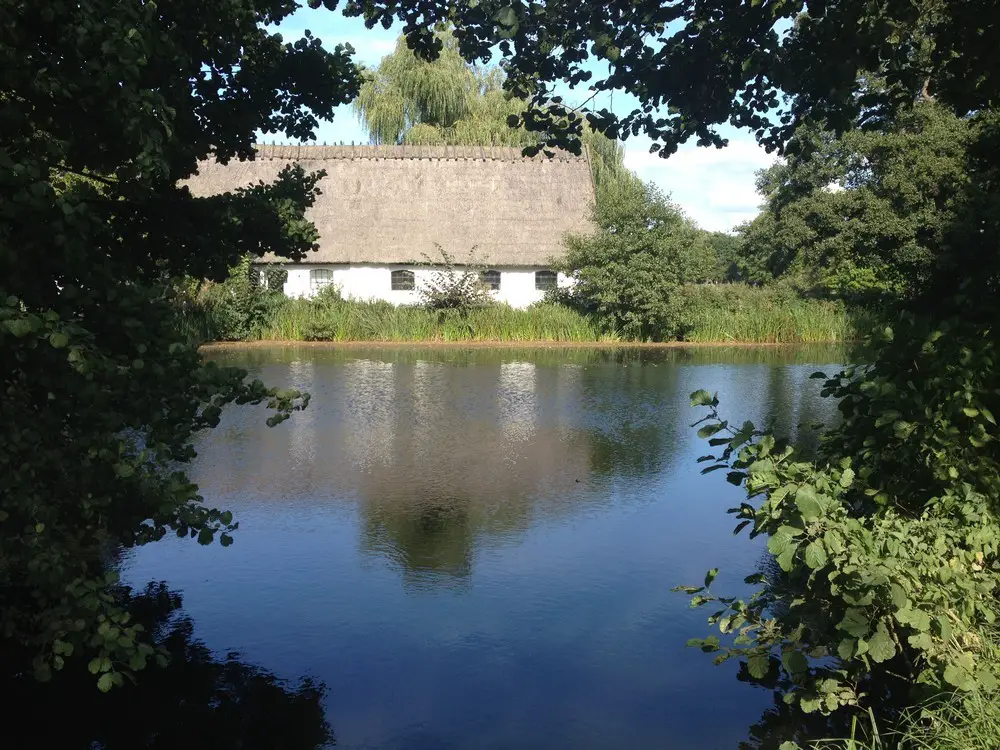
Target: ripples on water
(475,548)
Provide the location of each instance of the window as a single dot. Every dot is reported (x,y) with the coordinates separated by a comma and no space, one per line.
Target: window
(403,281)
(545,280)
(319,278)
(491,279)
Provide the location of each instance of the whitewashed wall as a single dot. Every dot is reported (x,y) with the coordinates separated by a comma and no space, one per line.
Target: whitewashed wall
(373,282)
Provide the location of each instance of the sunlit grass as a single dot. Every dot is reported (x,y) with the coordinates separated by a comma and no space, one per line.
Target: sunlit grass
(302,320)
(723,314)
(744,314)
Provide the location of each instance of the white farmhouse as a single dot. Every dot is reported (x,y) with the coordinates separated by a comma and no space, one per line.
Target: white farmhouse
(383,208)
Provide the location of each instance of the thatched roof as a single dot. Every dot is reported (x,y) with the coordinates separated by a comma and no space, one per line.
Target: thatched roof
(389,204)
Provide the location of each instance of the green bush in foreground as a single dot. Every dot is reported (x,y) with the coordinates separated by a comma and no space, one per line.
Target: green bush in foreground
(886,543)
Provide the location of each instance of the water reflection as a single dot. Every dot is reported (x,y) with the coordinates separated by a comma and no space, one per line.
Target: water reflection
(474,548)
(199,700)
(449,450)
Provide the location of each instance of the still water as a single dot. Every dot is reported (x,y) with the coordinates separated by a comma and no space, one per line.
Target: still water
(475,548)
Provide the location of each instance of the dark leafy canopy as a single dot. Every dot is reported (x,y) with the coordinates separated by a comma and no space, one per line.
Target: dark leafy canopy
(104,106)
(866,215)
(696,64)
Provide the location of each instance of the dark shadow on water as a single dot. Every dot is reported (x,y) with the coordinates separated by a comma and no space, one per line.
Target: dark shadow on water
(198,700)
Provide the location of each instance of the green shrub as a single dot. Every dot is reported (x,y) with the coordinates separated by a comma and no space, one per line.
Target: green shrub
(241,305)
(628,272)
(454,287)
(887,542)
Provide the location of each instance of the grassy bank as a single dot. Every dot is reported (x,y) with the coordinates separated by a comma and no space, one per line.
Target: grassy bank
(306,320)
(745,314)
(960,720)
(711,314)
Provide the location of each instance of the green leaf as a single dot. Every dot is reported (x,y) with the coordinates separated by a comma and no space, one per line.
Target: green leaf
(58,339)
(758,666)
(794,662)
(881,647)
(765,446)
(506,16)
(815,554)
(787,558)
(710,576)
(20,327)
(847,478)
(105,682)
(810,704)
(855,622)
(847,649)
(956,675)
(702,398)
(205,536)
(710,429)
(808,502)
(124,470)
(898,595)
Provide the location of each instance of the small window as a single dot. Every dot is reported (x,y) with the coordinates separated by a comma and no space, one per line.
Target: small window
(319,278)
(403,281)
(545,280)
(491,279)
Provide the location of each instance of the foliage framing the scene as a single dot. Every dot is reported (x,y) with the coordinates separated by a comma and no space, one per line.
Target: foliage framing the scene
(105,107)
(886,539)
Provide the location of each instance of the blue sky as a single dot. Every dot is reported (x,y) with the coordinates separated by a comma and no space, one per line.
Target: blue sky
(715,187)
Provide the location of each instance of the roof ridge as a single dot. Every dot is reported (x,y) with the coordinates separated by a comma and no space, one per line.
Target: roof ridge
(310,152)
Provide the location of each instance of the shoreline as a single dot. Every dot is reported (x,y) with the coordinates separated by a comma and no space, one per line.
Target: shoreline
(479,344)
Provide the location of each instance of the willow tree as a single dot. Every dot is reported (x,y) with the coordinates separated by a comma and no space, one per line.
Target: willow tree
(408,99)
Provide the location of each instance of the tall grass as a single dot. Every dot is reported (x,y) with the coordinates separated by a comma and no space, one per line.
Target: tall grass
(304,320)
(732,313)
(766,315)
(960,720)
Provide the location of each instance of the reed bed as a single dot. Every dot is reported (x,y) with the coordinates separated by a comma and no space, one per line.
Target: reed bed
(733,314)
(743,314)
(304,320)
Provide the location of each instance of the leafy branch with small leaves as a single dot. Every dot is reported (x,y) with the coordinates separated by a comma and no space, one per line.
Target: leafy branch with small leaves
(885,545)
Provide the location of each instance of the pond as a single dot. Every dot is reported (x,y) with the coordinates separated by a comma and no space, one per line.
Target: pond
(474,548)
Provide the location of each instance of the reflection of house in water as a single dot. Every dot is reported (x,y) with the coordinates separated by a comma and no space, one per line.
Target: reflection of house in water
(443,459)
(472,453)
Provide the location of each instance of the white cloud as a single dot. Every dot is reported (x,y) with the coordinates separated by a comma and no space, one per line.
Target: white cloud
(715,187)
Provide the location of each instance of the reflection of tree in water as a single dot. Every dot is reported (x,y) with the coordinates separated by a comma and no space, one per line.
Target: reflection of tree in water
(634,428)
(196,701)
(629,450)
(431,542)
